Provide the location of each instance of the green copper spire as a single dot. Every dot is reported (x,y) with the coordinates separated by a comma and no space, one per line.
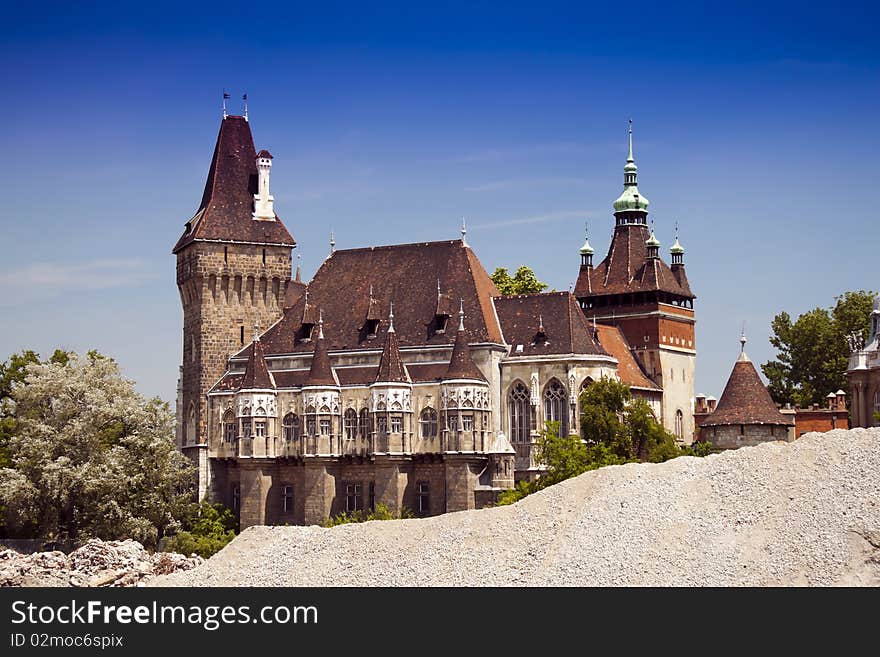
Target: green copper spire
(653,241)
(630,199)
(676,248)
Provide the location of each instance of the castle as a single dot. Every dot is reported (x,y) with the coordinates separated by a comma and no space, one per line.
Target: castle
(398,375)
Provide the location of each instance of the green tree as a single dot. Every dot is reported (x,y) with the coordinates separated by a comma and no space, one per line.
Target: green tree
(212,528)
(90,457)
(523,281)
(812,351)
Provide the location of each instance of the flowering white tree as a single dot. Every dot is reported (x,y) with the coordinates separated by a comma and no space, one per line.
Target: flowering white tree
(91,457)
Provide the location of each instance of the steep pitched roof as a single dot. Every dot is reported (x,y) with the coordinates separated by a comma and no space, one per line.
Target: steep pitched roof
(226,210)
(320,373)
(628,369)
(256,374)
(461,365)
(405,274)
(391,367)
(745,400)
(627,268)
(566,329)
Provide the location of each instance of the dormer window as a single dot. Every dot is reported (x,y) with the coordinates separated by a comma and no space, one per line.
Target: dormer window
(440,322)
(371,326)
(307,330)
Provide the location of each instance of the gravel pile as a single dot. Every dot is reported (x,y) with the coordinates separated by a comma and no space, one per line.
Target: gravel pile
(805,513)
(97,563)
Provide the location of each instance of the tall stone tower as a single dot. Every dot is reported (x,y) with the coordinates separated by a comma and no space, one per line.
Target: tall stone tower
(650,301)
(233,269)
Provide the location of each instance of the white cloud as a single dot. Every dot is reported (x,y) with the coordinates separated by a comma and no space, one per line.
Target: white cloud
(535,219)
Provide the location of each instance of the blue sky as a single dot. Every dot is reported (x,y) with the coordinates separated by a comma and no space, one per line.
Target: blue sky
(755,129)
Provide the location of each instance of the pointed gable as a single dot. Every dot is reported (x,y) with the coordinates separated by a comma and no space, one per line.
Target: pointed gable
(226,210)
(256,374)
(391,367)
(320,373)
(461,365)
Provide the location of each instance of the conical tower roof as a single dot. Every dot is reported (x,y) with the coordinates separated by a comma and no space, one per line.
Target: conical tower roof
(461,365)
(745,399)
(320,374)
(391,367)
(256,374)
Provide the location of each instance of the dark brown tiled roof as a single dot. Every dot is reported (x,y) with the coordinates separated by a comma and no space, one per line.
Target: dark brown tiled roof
(565,327)
(256,375)
(461,365)
(294,291)
(745,400)
(405,274)
(265,154)
(628,368)
(226,210)
(320,373)
(627,269)
(391,368)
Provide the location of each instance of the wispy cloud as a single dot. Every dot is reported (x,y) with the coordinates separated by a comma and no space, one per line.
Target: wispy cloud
(520,183)
(93,275)
(535,219)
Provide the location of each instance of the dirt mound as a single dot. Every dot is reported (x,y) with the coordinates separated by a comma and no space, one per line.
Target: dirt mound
(805,513)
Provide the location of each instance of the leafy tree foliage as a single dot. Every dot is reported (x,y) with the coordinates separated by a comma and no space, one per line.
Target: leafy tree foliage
(813,349)
(381,512)
(212,528)
(523,281)
(616,428)
(87,455)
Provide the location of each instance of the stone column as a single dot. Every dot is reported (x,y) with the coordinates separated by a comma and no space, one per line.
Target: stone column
(390,483)
(460,483)
(255,484)
(319,491)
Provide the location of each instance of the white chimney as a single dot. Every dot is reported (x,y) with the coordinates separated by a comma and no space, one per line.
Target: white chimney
(263,200)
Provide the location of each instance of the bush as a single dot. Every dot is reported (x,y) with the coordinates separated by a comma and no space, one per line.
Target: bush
(381,512)
(213,527)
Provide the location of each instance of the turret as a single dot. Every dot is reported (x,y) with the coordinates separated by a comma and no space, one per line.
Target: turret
(321,401)
(652,245)
(586,250)
(257,406)
(391,398)
(263,200)
(630,207)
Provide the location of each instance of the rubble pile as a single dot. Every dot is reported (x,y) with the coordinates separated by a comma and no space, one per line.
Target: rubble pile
(97,563)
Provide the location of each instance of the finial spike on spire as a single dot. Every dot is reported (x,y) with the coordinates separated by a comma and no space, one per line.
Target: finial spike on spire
(332,241)
(391,317)
(742,342)
(463,232)
(225,98)
(438,287)
(298,268)
(256,331)
(244,98)
(540,323)
(630,156)
(320,324)
(461,314)
(371,291)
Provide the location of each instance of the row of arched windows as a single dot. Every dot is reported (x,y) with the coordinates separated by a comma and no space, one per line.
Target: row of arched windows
(521,418)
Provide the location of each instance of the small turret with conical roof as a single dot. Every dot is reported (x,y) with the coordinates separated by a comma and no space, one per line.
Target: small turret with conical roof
(320,373)
(461,365)
(586,250)
(391,367)
(256,374)
(630,200)
(652,244)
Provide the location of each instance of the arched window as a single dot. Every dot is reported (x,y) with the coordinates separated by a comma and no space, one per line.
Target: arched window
(190,428)
(364,423)
(679,424)
(290,426)
(311,423)
(519,412)
(229,428)
(428,422)
(555,407)
(350,424)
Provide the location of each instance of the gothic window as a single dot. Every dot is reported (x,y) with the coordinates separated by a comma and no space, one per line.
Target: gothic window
(311,424)
(260,428)
(246,428)
(467,422)
(555,406)
(325,426)
(423,491)
(364,422)
(290,425)
(396,424)
(428,422)
(236,498)
(519,412)
(352,497)
(190,428)
(229,427)
(350,422)
(452,421)
(679,424)
(381,426)
(287,499)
